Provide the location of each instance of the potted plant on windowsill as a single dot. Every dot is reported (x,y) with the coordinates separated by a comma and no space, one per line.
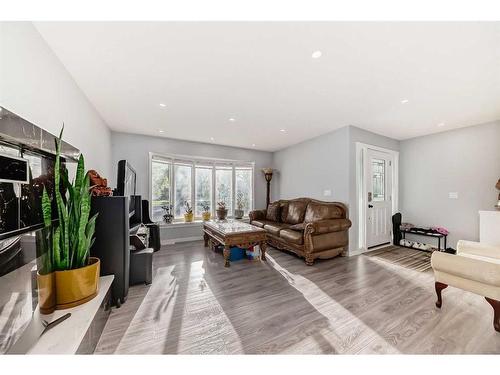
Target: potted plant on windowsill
(240,204)
(188,215)
(221,210)
(67,264)
(205,215)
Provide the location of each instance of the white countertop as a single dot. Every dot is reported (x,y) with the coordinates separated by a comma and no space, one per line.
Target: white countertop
(66,337)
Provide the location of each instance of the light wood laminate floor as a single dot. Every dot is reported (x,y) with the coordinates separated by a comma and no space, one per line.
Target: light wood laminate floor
(344,305)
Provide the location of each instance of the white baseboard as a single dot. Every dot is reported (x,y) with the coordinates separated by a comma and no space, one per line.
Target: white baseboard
(182,239)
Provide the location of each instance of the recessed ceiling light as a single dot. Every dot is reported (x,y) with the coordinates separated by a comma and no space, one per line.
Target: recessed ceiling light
(404,101)
(253,144)
(212,139)
(316,54)
(232,119)
(282,130)
(163,105)
(161,131)
(441,124)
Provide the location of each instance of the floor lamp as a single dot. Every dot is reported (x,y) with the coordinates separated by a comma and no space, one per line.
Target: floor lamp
(268,174)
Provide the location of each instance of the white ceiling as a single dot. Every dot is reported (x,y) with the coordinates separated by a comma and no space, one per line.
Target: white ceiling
(263,76)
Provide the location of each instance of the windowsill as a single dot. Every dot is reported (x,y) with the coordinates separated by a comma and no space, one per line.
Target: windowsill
(180,224)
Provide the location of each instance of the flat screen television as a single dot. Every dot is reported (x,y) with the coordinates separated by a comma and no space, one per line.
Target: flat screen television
(126,183)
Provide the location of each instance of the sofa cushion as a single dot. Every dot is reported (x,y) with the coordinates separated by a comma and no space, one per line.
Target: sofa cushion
(296,212)
(298,227)
(321,211)
(273,212)
(292,236)
(261,223)
(274,228)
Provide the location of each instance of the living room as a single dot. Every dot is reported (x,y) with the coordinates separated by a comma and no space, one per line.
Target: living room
(297,187)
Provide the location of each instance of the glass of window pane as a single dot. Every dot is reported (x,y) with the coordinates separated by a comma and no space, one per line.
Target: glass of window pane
(182,186)
(160,183)
(244,197)
(378,179)
(224,187)
(203,189)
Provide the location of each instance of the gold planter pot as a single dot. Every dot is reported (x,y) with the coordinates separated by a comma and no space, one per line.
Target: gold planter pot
(75,287)
(206,216)
(46,292)
(188,217)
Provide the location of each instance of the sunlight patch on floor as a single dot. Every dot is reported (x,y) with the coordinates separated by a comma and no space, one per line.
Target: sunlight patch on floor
(185,314)
(340,319)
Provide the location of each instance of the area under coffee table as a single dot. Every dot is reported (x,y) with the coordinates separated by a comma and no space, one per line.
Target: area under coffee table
(230,233)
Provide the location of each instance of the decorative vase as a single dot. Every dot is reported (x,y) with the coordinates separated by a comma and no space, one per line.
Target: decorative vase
(46,292)
(75,287)
(221,213)
(238,214)
(206,216)
(188,218)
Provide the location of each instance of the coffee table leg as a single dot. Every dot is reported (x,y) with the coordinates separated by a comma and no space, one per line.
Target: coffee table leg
(227,254)
(263,249)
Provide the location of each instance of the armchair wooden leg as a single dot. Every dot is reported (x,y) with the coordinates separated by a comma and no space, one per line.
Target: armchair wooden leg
(439,287)
(496,312)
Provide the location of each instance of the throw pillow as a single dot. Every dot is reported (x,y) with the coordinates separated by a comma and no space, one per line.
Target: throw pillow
(273,212)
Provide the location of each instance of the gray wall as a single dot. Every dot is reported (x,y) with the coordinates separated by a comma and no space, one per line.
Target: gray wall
(466,161)
(136,148)
(308,168)
(327,162)
(36,86)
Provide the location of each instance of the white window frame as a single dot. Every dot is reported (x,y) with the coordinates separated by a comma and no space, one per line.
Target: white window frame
(193,161)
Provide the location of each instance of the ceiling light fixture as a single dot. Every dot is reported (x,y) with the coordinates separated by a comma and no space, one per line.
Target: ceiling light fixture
(253,144)
(283,130)
(404,101)
(163,105)
(212,139)
(232,119)
(161,131)
(441,124)
(316,54)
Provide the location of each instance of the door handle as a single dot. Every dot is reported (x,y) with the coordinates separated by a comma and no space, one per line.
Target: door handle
(370,206)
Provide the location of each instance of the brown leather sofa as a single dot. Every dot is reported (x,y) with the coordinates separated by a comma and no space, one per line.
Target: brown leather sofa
(310,228)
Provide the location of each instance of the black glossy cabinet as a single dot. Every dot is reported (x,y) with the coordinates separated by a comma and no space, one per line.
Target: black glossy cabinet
(112,245)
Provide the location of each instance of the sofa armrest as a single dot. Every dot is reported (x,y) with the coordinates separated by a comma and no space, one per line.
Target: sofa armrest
(483,271)
(257,215)
(477,248)
(327,226)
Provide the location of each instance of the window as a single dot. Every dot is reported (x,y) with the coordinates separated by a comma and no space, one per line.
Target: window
(182,187)
(224,187)
(160,188)
(203,189)
(200,182)
(244,183)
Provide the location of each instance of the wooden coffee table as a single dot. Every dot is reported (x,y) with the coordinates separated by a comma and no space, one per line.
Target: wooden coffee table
(230,233)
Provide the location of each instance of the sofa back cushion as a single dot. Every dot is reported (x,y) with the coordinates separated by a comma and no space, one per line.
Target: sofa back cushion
(322,211)
(296,211)
(273,212)
(284,211)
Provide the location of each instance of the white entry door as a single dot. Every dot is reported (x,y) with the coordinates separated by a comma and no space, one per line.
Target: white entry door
(378,177)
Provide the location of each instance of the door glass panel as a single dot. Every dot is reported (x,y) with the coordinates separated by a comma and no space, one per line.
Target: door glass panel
(378,180)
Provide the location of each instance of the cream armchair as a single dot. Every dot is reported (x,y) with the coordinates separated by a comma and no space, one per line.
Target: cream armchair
(475,268)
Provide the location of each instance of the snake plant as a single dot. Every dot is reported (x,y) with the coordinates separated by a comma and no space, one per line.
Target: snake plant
(72,237)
